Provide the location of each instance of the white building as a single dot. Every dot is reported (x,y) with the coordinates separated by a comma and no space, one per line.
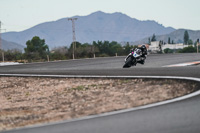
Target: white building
(154,47)
(174,46)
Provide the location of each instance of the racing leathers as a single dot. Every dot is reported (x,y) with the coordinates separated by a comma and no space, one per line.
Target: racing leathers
(143,54)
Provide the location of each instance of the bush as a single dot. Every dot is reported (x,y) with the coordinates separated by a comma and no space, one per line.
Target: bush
(167,50)
(103,55)
(189,49)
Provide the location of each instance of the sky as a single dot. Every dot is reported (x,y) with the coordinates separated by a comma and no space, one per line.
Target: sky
(18,15)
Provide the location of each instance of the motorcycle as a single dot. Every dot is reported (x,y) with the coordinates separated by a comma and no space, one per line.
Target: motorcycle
(133,58)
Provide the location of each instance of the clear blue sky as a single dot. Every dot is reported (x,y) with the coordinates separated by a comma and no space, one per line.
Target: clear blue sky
(18,15)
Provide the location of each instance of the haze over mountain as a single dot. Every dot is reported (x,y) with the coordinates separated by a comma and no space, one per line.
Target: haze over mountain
(177,36)
(96,26)
(11,45)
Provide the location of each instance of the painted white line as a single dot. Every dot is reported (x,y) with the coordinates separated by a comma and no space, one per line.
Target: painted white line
(97,76)
(16,63)
(9,63)
(184,64)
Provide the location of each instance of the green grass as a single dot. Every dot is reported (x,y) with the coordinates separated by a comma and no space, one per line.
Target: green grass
(79,88)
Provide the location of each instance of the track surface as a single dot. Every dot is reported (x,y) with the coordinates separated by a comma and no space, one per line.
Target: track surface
(181,116)
(112,66)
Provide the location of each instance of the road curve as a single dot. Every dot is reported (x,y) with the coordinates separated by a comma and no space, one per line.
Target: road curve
(111,66)
(171,117)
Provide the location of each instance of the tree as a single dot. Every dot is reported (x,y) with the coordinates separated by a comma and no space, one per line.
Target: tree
(59,53)
(169,42)
(167,50)
(149,41)
(98,45)
(190,42)
(186,37)
(36,49)
(116,48)
(128,47)
(153,38)
(13,55)
(189,49)
(77,49)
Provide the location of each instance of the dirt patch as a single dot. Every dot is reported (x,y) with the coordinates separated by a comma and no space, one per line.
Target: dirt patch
(28,101)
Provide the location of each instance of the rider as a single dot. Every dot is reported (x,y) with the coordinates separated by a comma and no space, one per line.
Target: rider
(143,54)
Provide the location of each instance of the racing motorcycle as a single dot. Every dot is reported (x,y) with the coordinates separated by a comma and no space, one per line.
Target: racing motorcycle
(133,58)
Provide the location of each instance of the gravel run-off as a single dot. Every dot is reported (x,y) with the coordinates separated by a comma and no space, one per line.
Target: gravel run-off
(26,101)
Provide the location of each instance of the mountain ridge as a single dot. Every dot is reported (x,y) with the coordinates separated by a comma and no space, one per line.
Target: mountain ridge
(177,36)
(6,45)
(93,27)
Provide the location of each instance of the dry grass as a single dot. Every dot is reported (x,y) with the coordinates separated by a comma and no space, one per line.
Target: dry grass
(28,101)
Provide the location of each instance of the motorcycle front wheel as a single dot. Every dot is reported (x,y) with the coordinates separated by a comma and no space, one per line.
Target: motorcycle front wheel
(128,63)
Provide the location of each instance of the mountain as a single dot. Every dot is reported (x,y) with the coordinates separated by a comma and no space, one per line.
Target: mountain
(11,45)
(96,26)
(176,36)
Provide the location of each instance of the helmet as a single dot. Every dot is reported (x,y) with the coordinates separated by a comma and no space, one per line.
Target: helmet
(143,47)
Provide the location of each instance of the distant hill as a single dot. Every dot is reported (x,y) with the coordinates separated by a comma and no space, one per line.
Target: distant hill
(96,26)
(176,36)
(11,45)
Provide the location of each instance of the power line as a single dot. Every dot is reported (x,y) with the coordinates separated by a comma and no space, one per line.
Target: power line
(74,35)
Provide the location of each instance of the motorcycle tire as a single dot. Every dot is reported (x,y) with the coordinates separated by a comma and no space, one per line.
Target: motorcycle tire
(128,63)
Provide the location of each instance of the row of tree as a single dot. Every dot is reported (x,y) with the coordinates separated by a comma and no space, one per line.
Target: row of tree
(189,49)
(186,39)
(38,50)
(153,38)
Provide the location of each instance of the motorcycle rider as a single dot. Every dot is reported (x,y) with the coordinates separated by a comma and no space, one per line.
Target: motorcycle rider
(143,54)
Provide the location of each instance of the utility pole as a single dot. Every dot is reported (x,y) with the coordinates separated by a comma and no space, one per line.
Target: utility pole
(74,35)
(0,36)
(93,50)
(1,46)
(197,45)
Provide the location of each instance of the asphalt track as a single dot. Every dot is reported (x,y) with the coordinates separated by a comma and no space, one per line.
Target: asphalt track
(112,67)
(176,116)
